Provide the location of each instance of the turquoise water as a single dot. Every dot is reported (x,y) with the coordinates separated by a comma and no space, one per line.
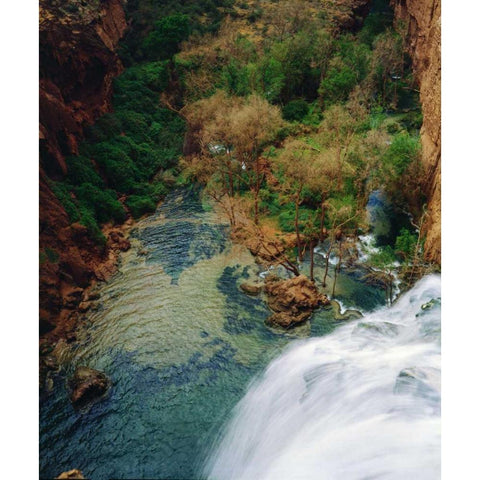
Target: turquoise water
(179,341)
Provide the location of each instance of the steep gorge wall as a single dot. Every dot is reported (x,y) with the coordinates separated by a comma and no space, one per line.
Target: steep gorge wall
(421,18)
(77,65)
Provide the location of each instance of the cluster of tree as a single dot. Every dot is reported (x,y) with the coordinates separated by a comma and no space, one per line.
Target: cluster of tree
(291,119)
(294,52)
(300,124)
(121,154)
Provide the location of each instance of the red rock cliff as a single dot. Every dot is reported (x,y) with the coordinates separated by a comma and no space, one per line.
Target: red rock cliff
(421,18)
(77,66)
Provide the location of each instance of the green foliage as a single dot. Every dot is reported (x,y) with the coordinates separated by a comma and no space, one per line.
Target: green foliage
(140,205)
(337,84)
(384,258)
(379,19)
(87,218)
(162,42)
(120,171)
(52,255)
(404,150)
(413,120)
(204,16)
(406,242)
(269,201)
(354,55)
(104,128)
(65,196)
(286,219)
(135,125)
(269,78)
(80,170)
(295,110)
(235,78)
(103,204)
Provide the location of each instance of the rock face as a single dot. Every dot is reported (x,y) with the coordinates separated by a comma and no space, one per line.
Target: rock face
(77,66)
(87,385)
(292,300)
(422,21)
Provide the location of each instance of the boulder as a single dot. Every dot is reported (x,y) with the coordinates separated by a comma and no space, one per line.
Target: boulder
(251,288)
(87,385)
(292,300)
(71,474)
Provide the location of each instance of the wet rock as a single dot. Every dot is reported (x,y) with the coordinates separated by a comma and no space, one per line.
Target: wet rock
(292,300)
(87,385)
(347,315)
(387,329)
(423,382)
(251,288)
(71,474)
(434,302)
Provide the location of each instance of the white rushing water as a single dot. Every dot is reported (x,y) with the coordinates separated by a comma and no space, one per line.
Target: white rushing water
(362,403)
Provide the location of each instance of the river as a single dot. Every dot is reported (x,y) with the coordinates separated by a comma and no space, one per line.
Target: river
(183,346)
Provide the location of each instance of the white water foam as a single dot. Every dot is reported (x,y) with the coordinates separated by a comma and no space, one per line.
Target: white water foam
(362,403)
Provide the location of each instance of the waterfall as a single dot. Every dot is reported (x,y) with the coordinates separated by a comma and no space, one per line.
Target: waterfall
(361,403)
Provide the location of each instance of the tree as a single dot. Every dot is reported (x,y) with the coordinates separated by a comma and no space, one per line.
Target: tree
(387,65)
(381,269)
(300,171)
(164,39)
(232,133)
(337,132)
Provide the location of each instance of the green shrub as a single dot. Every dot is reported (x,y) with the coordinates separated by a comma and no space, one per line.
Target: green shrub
(80,170)
(120,171)
(295,110)
(134,125)
(64,195)
(413,120)
(337,84)
(403,150)
(102,203)
(286,219)
(87,218)
(235,78)
(405,243)
(140,205)
(163,41)
(268,78)
(104,128)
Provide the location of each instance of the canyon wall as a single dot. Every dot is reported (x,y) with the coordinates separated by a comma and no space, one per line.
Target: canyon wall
(77,66)
(421,19)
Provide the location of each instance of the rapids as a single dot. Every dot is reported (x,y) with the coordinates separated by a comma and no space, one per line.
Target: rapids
(361,403)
